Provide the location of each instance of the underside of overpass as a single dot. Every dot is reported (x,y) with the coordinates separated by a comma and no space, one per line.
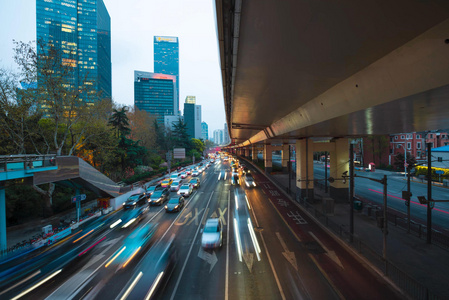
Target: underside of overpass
(296,69)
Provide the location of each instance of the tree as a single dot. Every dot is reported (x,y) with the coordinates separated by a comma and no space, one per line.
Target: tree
(198,145)
(399,161)
(141,124)
(120,122)
(180,135)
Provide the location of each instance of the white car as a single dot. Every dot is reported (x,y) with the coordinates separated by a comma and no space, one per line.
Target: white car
(186,190)
(195,173)
(183,175)
(213,234)
(174,187)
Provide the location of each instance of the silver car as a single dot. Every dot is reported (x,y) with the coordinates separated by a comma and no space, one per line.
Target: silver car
(213,234)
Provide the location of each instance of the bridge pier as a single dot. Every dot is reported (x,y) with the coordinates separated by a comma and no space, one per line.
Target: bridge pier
(268,158)
(304,169)
(339,163)
(253,153)
(285,157)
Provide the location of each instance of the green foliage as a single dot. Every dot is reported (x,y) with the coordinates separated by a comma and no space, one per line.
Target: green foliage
(422,170)
(198,145)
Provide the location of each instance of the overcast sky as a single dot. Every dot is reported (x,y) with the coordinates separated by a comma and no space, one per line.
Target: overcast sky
(134,23)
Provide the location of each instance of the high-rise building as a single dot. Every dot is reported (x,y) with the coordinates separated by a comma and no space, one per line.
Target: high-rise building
(198,128)
(169,121)
(225,134)
(218,136)
(191,99)
(81,32)
(155,94)
(204,131)
(166,58)
(189,118)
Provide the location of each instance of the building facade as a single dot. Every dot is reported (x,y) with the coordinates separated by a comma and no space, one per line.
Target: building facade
(169,121)
(197,125)
(204,131)
(155,94)
(226,139)
(218,136)
(81,32)
(191,99)
(166,58)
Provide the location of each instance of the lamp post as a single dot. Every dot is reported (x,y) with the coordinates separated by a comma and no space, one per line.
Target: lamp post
(405,159)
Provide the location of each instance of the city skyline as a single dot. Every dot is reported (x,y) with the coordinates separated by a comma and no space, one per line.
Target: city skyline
(133,27)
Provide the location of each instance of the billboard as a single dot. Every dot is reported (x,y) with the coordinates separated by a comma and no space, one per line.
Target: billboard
(179,153)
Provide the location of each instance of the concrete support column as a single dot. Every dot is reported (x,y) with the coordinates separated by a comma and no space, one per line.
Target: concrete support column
(3,241)
(339,163)
(247,152)
(304,170)
(254,153)
(268,158)
(285,157)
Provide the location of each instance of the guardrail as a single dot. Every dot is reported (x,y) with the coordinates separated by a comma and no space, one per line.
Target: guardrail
(25,162)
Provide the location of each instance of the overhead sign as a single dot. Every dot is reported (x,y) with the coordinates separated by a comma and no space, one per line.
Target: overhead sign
(166,39)
(76,198)
(179,153)
(439,172)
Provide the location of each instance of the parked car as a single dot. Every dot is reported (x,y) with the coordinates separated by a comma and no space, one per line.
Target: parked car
(174,187)
(213,234)
(176,203)
(166,182)
(159,197)
(195,182)
(185,190)
(249,180)
(134,200)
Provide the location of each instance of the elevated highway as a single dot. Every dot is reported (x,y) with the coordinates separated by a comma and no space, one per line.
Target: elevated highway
(294,69)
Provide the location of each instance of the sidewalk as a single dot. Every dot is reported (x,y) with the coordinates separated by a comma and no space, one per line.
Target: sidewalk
(426,264)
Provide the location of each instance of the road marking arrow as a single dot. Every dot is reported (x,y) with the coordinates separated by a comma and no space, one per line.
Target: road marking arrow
(186,218)
(331,254)
(210,258)
(249,260)
(289,256)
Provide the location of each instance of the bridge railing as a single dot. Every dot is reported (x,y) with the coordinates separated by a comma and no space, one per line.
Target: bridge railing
(26,162)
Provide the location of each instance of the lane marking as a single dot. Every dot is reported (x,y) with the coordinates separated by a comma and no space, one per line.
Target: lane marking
(227,249)
(188,254)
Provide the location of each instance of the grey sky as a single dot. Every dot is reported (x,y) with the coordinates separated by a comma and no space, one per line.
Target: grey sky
(134,23)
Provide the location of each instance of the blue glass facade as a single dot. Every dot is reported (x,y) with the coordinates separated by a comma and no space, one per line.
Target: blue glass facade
(155,94)
(166,58)
(189,118)
(81,30)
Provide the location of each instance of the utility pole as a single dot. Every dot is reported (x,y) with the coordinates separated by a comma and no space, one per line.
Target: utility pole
(385,227)
(351,191)
(409,195)
(429,193)
(325,171)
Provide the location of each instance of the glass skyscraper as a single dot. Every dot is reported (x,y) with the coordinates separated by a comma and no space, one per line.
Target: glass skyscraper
(155,94)
(166,58)
(81,31)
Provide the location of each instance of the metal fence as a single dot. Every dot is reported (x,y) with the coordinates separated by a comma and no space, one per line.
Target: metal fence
(409,285)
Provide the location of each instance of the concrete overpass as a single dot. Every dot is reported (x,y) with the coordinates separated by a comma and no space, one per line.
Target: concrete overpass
(297,72)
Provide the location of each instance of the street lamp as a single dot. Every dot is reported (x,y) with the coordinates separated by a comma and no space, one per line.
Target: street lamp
(405,160)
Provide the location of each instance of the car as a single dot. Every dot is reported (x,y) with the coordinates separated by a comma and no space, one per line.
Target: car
(133,200)
(189,171)
(249,180)
(185,190)
(174,176)
(137,243)
(235,180)
(174,187)
(133,216)
(200,170)
(183,175)
(245,170)
(151,189)
(195,173)
(159,197)
(212,234)
(166,182)
(176,203)
(195,182)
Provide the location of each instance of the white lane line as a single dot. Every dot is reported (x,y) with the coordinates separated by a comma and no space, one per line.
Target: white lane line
(227,249)
(190,251)
(278,283)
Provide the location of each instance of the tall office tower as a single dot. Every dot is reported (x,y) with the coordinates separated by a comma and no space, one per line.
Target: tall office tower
(225,134)
(189,118)
(81,31)
(204,131)
(155,94)
(166,58)
(197,121)
(191,99)
(218,136)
